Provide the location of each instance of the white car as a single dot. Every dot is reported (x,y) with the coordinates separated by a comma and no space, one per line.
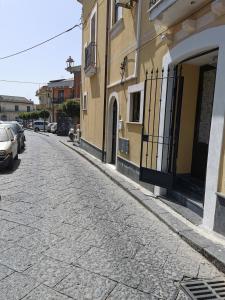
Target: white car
(8,147)
(40,125)
(49,127)
(54,128)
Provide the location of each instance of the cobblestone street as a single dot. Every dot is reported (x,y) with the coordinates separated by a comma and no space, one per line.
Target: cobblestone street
(69,232)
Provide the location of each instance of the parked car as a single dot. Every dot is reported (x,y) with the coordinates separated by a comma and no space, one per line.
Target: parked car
(49,127)
(54,128)
(8,147)
(40,125)
(18,131)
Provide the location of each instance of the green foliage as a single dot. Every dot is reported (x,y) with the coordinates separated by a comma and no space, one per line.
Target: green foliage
(34,115)
(71,108)
(44,114)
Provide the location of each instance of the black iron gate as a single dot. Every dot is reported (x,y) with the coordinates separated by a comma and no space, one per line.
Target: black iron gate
(159,146)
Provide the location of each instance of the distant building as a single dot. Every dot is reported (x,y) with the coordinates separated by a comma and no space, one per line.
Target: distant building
(44,95)
(12,106)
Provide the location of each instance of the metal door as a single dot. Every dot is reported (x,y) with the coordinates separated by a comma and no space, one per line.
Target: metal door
(160,128)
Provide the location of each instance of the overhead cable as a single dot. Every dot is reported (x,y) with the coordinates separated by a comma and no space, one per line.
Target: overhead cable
(40,44)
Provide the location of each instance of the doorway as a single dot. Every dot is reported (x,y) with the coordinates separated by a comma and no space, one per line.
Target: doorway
(193,129)
(207,81)
(114,132)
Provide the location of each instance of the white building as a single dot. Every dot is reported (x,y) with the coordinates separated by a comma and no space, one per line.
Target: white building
(12,106)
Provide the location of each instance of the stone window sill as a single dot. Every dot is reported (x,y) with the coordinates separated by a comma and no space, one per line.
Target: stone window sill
(134,123)
(116,28)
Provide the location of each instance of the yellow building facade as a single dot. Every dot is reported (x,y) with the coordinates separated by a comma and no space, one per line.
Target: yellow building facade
(153,97)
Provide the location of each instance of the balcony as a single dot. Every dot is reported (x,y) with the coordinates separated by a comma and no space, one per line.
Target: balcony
(90,60)
(168,12)
(58,100)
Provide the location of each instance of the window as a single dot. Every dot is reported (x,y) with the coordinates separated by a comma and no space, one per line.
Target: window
(10,133)
(135,100)
(84,102)
(16,108)
(135,103)
(117,12)
(61,95)
(93,28)
(28,108)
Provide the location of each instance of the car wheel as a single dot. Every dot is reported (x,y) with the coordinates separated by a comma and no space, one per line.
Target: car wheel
(10,165)
(36,129)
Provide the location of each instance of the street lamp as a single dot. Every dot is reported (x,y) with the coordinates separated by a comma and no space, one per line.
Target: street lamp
(70,68)
(69,63)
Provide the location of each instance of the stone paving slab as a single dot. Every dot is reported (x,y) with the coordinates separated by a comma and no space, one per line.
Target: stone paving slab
(80,236)
(18,258)
(16,286)
(45,293)
(48,271)
(215,253)
(81,284)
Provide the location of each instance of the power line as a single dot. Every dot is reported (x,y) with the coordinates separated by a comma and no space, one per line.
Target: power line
(40,44)
(22,82)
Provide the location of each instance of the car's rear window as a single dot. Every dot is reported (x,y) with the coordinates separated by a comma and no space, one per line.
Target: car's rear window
(3,135)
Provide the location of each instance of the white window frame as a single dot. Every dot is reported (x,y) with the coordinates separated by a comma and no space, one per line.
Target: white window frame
(113,22)
(85,94)
(133,89)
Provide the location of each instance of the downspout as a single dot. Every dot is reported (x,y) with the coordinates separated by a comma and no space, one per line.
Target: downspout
(106,80)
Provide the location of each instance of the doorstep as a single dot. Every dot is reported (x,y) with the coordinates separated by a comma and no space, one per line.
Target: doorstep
(209,244)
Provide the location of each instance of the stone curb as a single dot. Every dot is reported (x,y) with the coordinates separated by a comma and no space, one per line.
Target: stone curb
(37,132)
(215,253)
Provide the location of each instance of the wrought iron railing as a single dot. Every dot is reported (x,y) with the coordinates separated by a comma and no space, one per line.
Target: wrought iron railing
(58,100)
(153,2)
(90,56)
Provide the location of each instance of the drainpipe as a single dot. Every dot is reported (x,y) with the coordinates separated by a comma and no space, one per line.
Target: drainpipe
(106,77)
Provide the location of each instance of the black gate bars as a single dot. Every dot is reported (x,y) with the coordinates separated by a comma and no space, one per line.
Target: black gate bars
(160,127)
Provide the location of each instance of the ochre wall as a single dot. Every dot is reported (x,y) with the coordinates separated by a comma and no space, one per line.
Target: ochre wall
(92,119)
(152,51)
(188,113)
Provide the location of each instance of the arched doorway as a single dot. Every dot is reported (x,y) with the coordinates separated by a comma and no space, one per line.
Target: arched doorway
(114,132)
(112,128)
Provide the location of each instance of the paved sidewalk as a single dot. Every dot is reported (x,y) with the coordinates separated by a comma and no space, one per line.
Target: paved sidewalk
(209,244)
(69,232)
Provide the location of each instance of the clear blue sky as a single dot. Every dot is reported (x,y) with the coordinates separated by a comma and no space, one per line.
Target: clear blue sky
(24,23)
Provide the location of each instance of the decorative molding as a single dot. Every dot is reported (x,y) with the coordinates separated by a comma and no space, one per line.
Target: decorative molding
(218,7)
(189,25)
(205,20)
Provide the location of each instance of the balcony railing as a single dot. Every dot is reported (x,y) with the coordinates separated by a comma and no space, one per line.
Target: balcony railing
(90,59)
(58,100)
(153,2)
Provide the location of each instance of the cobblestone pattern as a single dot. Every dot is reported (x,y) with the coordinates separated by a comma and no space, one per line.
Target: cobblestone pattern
(69,232)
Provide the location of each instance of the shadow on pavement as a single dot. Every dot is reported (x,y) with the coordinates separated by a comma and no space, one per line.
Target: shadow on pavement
(16,164)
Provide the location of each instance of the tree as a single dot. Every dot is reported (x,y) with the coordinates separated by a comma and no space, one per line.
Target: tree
(72,108)
(34,115)
(44,114)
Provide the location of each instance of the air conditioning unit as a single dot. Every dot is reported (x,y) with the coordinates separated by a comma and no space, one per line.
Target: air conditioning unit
(125,3)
